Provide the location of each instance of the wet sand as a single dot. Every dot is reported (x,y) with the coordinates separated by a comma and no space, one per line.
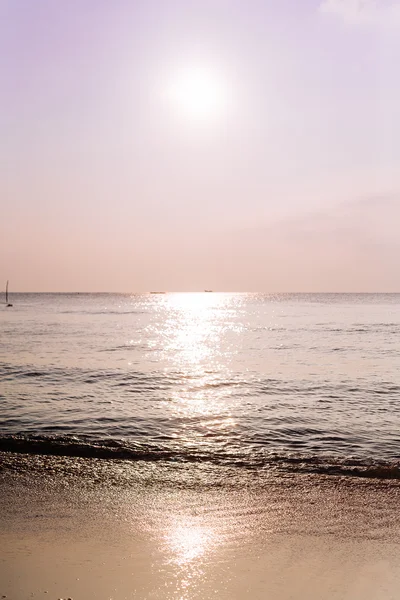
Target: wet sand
(69,529)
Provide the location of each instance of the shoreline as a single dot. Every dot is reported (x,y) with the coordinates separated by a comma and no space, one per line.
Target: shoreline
(284,462)
(87,529)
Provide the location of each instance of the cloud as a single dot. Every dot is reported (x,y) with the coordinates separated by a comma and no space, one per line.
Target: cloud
(380,13)
(350,245)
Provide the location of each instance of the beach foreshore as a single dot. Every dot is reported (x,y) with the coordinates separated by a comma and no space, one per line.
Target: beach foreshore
(81,529)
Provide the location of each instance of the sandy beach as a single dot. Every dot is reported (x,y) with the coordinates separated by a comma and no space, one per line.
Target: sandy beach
(66,533)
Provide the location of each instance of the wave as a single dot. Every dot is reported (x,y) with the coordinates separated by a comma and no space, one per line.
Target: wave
(113,449)
(253,384)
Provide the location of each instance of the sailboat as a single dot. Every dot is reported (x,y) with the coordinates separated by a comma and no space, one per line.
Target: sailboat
(8,305)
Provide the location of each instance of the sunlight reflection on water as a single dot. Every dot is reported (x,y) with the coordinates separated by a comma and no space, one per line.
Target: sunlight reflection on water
(192,343)
(193,329)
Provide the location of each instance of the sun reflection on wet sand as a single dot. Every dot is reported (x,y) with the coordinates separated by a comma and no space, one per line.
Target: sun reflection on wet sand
(189,542)
(190,546)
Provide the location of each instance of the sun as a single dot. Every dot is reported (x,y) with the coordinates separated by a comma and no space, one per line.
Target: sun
(197,93)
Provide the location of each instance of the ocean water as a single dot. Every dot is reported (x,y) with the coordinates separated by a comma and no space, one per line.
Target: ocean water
(288,382)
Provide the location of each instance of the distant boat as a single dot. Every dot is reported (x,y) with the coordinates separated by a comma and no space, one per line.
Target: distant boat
(8,305)
(158,292)
(209,291)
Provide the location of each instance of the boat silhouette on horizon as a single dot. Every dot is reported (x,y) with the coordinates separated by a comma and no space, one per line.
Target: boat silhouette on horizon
(8,304)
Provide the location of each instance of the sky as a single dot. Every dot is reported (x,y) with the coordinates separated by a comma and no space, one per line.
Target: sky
(184,145)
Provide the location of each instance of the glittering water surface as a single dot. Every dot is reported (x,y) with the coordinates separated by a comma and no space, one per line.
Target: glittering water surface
(243,379)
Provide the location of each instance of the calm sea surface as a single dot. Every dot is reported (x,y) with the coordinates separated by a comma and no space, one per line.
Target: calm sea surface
(260,381)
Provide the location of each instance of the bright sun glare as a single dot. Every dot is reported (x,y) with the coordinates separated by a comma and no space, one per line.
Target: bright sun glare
(197,94)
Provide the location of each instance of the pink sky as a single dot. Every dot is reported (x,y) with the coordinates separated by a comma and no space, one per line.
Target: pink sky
(294,187)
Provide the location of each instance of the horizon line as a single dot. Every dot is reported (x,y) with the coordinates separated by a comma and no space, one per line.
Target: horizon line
(137,293)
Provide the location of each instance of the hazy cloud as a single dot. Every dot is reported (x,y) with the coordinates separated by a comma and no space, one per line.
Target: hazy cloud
(382,13)
(351,246)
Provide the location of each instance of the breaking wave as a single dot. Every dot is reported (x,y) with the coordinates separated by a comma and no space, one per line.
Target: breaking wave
(121,450)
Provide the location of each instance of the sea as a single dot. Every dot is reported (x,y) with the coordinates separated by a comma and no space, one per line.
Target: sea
(285,383)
